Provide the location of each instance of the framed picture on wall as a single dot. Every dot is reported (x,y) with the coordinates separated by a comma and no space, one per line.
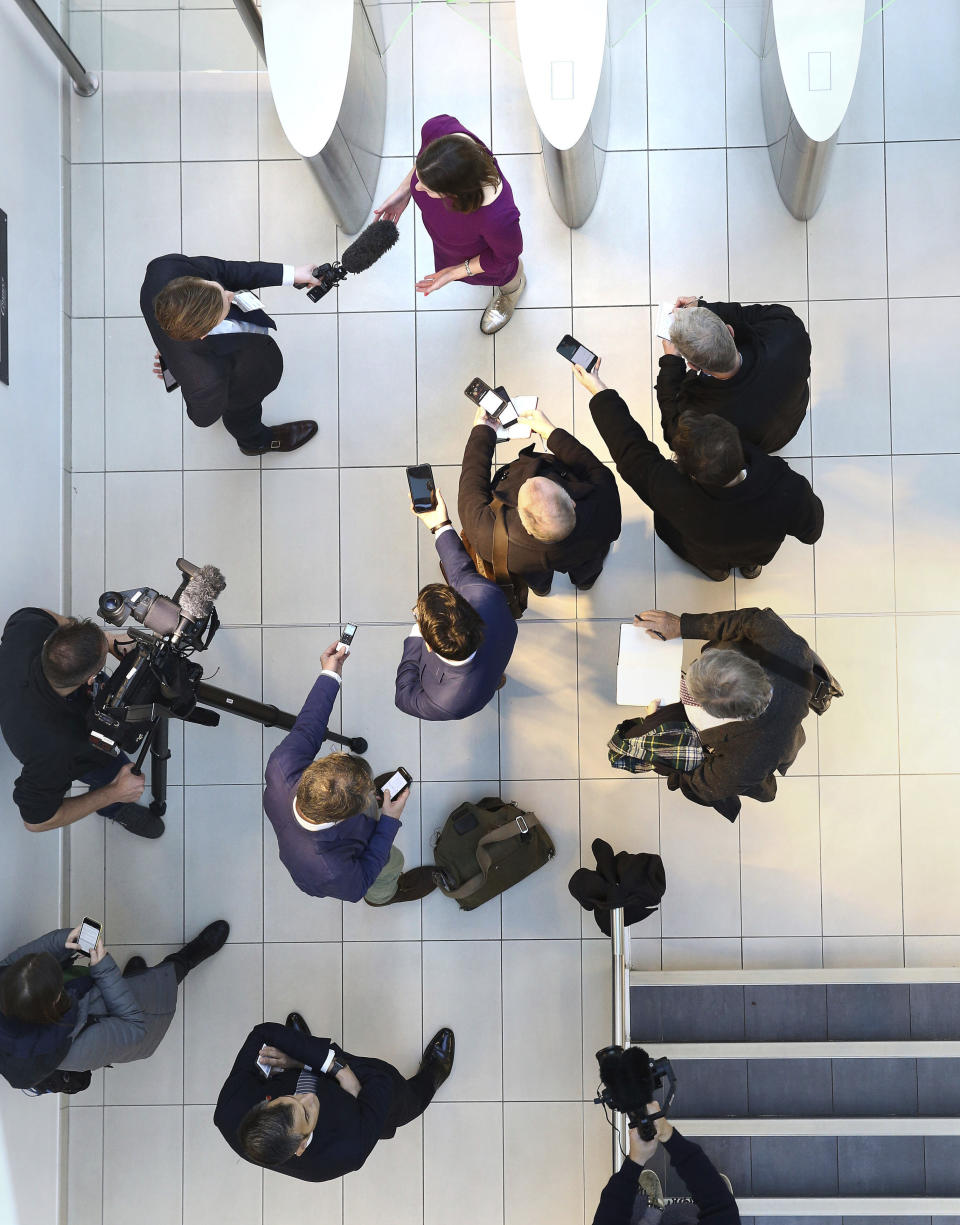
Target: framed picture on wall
(4,302)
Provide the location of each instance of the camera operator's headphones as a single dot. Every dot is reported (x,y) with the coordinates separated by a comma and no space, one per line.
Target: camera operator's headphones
(629,1080)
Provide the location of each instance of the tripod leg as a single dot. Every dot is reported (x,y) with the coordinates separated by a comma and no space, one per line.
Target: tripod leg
(159,756)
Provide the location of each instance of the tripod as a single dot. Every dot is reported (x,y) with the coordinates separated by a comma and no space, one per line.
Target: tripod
(157,740)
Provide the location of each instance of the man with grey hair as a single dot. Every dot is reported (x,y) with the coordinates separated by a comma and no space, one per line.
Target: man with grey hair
(743,696)
(561,510)
(749,364)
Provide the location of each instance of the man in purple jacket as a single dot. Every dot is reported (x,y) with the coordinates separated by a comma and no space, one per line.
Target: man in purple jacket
(334,838)
(455,656)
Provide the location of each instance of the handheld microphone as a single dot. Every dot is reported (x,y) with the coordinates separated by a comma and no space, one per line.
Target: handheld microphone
(363,252)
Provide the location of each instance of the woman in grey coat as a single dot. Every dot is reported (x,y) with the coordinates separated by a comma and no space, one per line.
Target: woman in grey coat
(52,1018)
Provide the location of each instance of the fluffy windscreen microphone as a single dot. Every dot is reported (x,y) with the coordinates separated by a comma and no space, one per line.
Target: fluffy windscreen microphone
(369,245)
(196,599)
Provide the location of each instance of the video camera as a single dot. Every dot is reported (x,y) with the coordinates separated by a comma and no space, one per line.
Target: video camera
(629,1079)
(156,676)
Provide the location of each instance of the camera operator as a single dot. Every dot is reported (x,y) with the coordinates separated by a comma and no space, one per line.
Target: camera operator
(709,1190)
(47,663)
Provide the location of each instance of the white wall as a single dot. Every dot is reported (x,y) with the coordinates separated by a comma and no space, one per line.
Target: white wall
(31,484)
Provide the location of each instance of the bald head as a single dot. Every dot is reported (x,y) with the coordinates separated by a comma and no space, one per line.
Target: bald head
(546,511)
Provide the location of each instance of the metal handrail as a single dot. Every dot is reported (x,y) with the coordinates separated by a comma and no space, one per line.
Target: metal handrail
(620,947)
(85,83)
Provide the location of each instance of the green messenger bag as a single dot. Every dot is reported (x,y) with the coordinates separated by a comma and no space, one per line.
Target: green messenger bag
(485,848)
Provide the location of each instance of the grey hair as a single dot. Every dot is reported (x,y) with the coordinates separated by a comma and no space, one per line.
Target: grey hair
(546,510)
(703,339)
(729,685)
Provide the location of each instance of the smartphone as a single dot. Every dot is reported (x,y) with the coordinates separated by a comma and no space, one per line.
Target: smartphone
(398,782)
(266,1068)
(169,381)
(508,414)
(89,936)
(247,300)
(423,490)
(346,635)
(492,402)
(577,353)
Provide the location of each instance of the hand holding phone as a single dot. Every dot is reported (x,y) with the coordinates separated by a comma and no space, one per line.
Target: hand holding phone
(423,489)
(162,371)
(86,939)
(346,637)
(494,401)
(396,784)
(577,354)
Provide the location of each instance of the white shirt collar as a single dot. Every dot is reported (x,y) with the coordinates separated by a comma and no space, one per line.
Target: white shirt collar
(457,663)
(310,825)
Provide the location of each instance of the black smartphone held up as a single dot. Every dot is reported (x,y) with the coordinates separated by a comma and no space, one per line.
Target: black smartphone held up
(346,635)
(89,936)
(576,353)
(423,489)
(492,402)
(169,381)
(398,782)
(507,415)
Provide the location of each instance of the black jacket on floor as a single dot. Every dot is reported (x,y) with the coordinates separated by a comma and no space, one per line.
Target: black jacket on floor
(348,1127)
(218,373)
(741,757)
(634,881)
(714,1202)
(712,528)
(767,398)
(589,482)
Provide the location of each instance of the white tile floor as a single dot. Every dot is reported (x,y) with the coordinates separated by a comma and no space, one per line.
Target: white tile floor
(853,865)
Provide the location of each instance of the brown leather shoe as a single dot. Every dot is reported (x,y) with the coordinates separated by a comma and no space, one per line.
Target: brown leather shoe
(503,681)
(286,437)
(411,886)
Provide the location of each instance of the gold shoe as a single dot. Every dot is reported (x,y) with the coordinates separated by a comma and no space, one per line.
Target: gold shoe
(500,308)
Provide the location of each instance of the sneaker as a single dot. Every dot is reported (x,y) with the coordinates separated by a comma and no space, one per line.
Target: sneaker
(750,571)
(500,309)
(411,886)
(650,1186)
(138,820)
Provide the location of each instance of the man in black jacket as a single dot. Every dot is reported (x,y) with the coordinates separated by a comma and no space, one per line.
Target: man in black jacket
(722,504)
(561,513)
(710,1191)
(748,364)
(321,1112)
(748,714)
(224,358)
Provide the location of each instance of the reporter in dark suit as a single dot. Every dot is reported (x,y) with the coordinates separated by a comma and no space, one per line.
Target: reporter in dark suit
(724,503)
(748,716)
(322,1112)
(455,657)
(747,364)
(561,514)
(224,359)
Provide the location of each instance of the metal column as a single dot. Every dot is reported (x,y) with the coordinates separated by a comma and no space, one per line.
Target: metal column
(620,949)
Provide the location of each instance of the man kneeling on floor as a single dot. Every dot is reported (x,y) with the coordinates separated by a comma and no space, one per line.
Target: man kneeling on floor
(317,1113)
(334,834)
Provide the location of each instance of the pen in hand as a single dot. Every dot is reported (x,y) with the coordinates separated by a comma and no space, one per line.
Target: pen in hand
(656,633)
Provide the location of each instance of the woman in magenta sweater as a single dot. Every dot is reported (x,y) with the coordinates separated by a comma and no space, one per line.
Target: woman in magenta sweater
(469,213)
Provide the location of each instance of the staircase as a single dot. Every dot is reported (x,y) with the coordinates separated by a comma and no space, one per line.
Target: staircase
(826,1096)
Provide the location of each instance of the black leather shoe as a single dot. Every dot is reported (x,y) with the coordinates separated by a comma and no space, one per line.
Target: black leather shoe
(286,437)
(438,1057)
(138,820)
(586,586)
(295,1021)
(750,571)
(211,940)
(136,965)
(541,591)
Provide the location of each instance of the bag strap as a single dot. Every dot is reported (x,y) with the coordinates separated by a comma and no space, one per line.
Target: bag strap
(804,677)
(500,543)
(525,821)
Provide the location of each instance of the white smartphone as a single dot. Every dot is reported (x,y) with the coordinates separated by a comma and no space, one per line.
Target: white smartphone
(247,300)
(266,1068)
(399,781)
(89,936)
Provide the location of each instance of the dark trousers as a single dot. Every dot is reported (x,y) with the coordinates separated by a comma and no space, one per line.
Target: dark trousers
(246,426)
(411,1098)
(586,572)
(102,776)
(255,370)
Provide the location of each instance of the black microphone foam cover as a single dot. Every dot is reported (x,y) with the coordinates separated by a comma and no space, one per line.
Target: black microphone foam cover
(369,245)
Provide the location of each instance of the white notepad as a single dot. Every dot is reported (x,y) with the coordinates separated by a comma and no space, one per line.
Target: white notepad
(647,668)
(664,319)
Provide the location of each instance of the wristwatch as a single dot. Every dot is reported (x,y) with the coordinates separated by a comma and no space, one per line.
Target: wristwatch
(445,523)
(335,1067)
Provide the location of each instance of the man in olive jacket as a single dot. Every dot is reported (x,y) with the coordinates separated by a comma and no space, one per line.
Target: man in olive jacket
(742,755)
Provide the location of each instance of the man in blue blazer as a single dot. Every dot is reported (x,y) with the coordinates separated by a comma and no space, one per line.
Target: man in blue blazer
(455,657)
(334,838)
